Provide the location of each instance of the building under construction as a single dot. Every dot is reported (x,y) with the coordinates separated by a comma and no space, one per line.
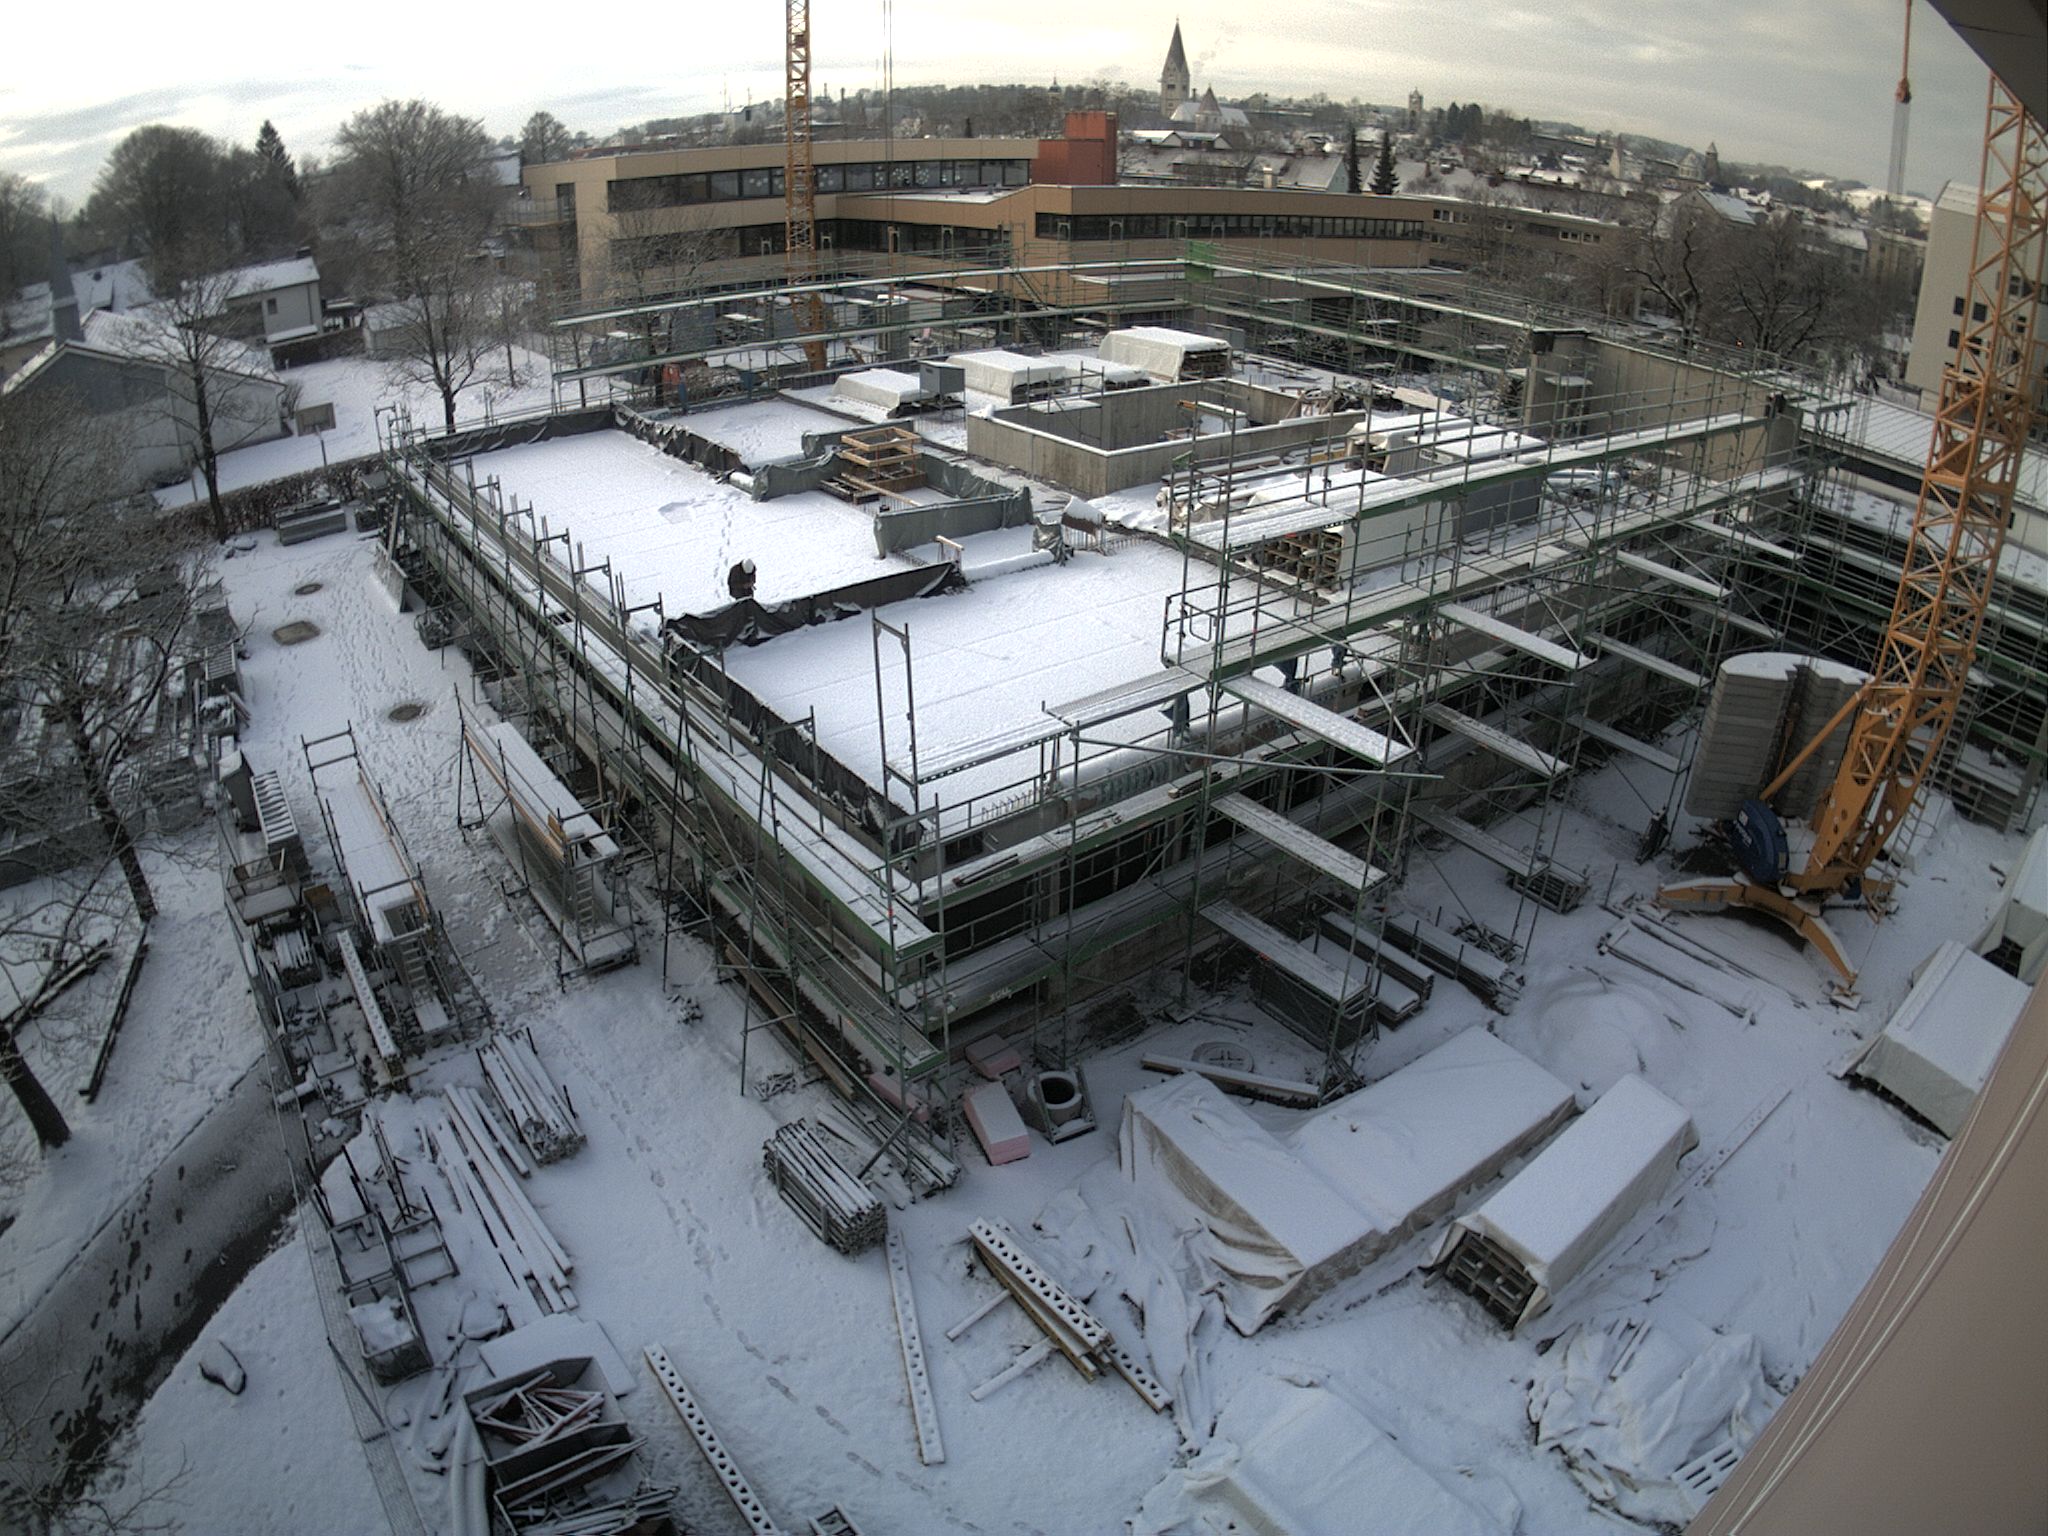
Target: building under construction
(948,711)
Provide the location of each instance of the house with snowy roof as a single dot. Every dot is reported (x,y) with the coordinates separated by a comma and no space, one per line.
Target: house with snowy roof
(27,319)
(278,300)
(126,370)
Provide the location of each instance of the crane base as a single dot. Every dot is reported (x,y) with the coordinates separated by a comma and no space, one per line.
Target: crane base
(1738,891)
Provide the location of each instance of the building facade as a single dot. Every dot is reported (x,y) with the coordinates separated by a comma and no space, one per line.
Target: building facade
(1175,81)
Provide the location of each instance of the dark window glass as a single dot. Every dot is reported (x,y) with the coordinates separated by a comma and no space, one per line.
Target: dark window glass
(831,178)
(725,186)
(754,183)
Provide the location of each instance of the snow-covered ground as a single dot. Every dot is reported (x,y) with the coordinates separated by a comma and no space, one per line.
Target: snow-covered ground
(791,1349)
(356,387)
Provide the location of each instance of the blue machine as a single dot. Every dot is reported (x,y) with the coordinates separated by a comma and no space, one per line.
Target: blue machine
(1758,839)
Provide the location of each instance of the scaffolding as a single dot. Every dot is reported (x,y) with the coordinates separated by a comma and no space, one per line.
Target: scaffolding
(568,862)
(1372,648)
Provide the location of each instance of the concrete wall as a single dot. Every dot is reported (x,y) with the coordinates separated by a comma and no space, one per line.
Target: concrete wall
(1024,440)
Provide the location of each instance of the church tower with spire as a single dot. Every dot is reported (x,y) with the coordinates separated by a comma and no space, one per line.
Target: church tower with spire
(1174,79)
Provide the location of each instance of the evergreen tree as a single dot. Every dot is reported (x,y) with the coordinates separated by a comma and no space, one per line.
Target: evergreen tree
(1351,177)
(1384,182)
(277,159)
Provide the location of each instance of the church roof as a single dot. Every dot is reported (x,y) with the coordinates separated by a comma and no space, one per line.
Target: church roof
(1176,55)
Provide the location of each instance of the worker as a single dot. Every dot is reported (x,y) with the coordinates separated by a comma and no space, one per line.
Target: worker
(739,581)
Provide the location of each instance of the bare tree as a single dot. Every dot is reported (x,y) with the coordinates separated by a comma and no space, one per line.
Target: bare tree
(24,237)
(160,190)
(97,596)
(453,336)
(543,139)
(1677,266)
(1782,296)
(208,370)
(418,180)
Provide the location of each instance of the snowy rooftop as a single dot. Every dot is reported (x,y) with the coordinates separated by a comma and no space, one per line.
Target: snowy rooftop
(269,276)
(672,530)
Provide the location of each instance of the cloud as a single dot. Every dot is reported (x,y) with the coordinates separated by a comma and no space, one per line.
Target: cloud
(1809,85)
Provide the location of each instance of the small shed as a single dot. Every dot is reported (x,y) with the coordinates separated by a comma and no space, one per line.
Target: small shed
(1937,1052)
(1543,1228)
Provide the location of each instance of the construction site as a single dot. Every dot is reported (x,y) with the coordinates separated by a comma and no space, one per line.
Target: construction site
(1422,881)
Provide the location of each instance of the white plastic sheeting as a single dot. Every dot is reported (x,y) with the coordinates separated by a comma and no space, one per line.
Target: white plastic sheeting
(885,387)
(1010,376)
(2021,917)
(1632,1405)
(1157,350)
(1576,1195)
(1938,1050)
(1292,1460)
(1284,1217)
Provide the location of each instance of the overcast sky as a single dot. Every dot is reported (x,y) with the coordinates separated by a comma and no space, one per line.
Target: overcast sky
(1805,83)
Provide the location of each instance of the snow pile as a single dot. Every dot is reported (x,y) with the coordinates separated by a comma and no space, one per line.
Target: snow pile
(1294,1459)
(1630,1405)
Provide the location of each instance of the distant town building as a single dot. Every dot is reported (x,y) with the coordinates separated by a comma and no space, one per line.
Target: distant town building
(1415,111)
(1174,80)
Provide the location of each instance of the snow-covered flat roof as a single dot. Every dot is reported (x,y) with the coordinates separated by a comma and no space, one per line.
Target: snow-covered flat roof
(672,530)
(982,659)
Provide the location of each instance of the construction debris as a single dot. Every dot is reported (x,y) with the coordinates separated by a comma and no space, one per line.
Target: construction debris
(832,1202)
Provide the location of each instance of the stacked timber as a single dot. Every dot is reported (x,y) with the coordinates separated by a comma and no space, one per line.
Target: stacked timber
(532,1102)
(1068,1326)
(483,1165)
(832,1202)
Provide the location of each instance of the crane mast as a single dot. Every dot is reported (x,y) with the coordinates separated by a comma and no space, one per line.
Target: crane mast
(800,177)
(1902,717)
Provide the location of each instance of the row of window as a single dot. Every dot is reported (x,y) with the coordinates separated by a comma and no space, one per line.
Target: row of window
(641,192)
(1221,226)
(653,253)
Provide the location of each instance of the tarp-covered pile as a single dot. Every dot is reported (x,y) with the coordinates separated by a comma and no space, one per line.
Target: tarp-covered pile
(1938,1050)
(1556,1215)
(1166,354)
(885,387)
(1291,1460)
(1284,1217)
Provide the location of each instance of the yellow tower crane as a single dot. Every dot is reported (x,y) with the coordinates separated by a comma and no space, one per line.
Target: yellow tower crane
(1903,715)
(800,180)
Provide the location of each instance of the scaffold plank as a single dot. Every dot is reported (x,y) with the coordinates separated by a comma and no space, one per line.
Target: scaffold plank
(1276,949)
(1495,740)
(1515,636)
(1649,662)
(1318,853)
(1324,724)
(1672,574)
(1743,538)
(1656,757)
(1480,841)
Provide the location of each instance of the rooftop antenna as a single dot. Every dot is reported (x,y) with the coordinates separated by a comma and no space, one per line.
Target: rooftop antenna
(1895,177)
